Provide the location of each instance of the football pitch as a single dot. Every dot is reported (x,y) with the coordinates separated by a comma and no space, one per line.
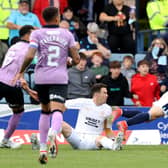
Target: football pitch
(130,157)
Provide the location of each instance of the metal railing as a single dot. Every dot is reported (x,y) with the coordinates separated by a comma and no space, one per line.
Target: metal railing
(145,37)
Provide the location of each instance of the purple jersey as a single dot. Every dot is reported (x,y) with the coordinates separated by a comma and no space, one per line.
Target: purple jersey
(13,61)
(52,51)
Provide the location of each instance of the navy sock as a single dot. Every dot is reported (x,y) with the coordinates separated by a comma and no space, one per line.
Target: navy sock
(139,118)
(130,113)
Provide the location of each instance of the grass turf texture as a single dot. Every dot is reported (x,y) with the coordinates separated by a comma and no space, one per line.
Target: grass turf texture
(129,157)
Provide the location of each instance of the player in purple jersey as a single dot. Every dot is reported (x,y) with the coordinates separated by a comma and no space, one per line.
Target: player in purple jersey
(52,45)
(12,93)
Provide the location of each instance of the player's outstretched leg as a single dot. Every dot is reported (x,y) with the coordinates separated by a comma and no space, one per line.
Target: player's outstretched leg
(122,126)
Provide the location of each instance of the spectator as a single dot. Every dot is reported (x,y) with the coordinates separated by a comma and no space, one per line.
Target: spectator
(98,69)
(157,55)
(164,86)
(92,43)
(65,24)
(81,78)
(3,50)
(127,68)
(157,14)
(40,5)
(20,18)
(145,85)
(5,9)
(120,35)
(76,26)
(117,85)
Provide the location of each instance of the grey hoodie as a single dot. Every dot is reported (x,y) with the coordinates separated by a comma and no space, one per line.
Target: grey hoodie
(80,82)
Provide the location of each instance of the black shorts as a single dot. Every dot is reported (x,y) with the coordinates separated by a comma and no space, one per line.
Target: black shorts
(52,92)
(12,95)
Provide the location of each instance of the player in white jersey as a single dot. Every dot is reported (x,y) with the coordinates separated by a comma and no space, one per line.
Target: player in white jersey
(94,116)
(13,93)
(52,45)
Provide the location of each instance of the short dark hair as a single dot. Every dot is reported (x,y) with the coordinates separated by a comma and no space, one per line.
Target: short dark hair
(82,56)
(129,57)
(24,1)
(115,64)
(67,9)
(50,13)
(97,87)
(142,62)
(25,29)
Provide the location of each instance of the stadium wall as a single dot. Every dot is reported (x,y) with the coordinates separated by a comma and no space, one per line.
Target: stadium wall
(150,133)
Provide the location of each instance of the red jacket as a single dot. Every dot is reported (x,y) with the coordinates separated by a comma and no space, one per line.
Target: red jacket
(40,5)
(146,87)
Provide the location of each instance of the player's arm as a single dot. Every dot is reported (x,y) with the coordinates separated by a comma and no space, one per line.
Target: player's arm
(28,59)
(107,129)
(75,56)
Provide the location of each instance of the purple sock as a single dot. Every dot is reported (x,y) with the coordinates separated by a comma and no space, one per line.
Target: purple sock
(44,125)
(12,124)
(56,122)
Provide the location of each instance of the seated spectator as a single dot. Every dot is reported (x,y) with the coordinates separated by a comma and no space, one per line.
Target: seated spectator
(92,43)
(3,50)
(157,55)
(21,17)
(81,78)
(164,86)
(75,25)
(127,68)
(120,38)
(145,85)
(98,69)
(117,85)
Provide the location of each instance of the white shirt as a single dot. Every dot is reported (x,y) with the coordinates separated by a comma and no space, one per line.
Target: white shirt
(90,117)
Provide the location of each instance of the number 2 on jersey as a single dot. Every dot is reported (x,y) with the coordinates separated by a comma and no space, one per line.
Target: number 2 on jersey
(54,54)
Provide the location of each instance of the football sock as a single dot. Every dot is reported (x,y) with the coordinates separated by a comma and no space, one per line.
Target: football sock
(130,113)
(139,118)
(106,143)
(44,125)
(12,124)
(56,122)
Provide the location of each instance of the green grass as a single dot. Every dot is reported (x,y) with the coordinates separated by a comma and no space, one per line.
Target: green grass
(129,157)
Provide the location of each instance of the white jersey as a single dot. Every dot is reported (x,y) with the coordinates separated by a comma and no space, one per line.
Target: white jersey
(90,117)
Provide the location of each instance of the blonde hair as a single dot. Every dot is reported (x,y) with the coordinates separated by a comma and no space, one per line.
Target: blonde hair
(162,41)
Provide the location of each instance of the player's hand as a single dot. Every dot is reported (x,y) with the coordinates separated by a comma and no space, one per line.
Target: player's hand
(31,92)
(135,96)
(16,78)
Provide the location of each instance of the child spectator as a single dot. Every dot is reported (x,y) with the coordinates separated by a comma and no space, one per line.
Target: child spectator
(127,68)
(145,85)
(97,67)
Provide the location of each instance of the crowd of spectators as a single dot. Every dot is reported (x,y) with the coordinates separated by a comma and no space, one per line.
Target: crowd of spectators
(84,19)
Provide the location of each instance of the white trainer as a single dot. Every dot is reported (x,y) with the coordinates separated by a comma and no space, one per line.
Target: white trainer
(34,141)
(53,148)
(9,144)
(117,145)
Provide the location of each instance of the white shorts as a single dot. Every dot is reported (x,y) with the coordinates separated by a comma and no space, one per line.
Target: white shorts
(82,141)
(163,103)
